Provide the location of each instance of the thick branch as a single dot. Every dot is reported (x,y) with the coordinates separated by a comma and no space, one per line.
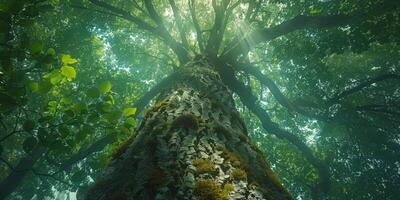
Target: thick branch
(275,91)
(236,47)
(250,101)
(85,152)
(163,84)
(126,15)
(26,164)
(196,25)
(265,80)
(216,34)
(179,23)
(12,181)
(244,45)
(159,31)
(361,86)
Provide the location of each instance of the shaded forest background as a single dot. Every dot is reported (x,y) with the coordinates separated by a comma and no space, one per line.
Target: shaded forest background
(74,73)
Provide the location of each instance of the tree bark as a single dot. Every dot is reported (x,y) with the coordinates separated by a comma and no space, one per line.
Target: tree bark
(192,144)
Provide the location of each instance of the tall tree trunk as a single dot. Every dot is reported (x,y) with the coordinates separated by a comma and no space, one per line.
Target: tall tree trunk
(192,144)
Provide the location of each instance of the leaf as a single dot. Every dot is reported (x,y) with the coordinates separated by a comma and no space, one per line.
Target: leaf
(63,130)
(28,126)
(129,111)
(105,87)
(34,86)
(106,107)
(29,144)
(55,77)
(44,87)
(51,52)
(129,122)
(79,107)
(36,47)
(68,60)
(68,72)
(109,99)
(315,10)
(93,93)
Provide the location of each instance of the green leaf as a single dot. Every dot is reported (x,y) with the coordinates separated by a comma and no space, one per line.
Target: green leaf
(28,126)
(51,52)
(44,87)
(68,60)
(29,144)
(79,107)
(63,130)
(315,10)
(34,86)
(130,122)
(106,107)
(55,77)
(109,99)
(93,93)
(36,47)
(68,72)
(105,87)
(129,111)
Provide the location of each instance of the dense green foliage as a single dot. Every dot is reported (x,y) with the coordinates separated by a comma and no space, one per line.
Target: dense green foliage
(71,72)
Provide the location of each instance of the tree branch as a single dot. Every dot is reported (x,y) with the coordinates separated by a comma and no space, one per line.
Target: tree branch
(12,181)
(250,101)
(275,91)
(159,31)
(216,34)
(336,98)
(248,42)
(136,20)
(85,152)
(146,98)
(244,45)
(199,33)
(179,23)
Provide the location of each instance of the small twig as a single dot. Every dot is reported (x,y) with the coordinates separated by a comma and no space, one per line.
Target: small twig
(95,10)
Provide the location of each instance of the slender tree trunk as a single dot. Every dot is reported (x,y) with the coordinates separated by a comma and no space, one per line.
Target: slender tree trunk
(192,144)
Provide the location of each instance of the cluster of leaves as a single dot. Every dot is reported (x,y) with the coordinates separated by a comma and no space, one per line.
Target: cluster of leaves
(58,109)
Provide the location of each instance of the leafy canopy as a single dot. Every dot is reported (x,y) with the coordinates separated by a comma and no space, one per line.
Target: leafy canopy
(73,74)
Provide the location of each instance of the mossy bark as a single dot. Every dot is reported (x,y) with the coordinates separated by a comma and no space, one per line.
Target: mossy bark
(192,144)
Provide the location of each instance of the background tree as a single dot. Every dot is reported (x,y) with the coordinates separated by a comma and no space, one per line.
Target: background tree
(315,81)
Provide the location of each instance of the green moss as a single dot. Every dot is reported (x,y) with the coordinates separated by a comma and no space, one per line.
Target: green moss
(122,148)
(234,159)
(228,187)
(238,174)
(244,138)
(204,166)
(158,106)
(208,189)
(188,121)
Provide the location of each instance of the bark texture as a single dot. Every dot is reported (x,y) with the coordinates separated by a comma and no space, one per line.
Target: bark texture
(192,144)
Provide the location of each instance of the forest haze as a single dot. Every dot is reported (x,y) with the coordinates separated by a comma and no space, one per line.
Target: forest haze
(200,99)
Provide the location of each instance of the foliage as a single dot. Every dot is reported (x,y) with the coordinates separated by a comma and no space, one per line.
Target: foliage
(71,73)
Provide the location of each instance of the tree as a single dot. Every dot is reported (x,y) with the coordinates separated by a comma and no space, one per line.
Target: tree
(192,142)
